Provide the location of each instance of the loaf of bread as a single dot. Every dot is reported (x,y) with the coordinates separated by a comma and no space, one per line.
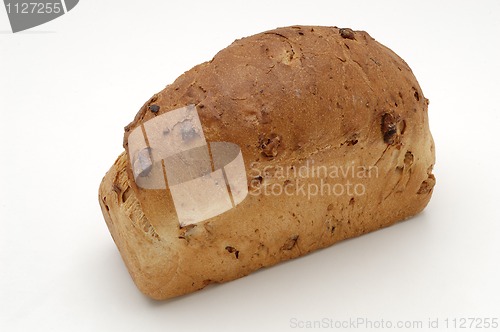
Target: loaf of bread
(332,128)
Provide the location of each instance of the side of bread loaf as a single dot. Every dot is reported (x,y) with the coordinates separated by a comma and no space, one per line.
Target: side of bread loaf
(296,98)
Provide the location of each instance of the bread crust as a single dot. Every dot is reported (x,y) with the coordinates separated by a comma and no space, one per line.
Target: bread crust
(292,97)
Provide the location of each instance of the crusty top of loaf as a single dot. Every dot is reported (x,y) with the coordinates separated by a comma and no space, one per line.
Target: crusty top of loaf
(285,94)
(306,84)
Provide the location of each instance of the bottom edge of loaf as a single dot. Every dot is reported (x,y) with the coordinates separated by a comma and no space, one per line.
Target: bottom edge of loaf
(145,256)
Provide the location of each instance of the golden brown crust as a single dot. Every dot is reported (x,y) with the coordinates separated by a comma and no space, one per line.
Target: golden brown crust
(287,97)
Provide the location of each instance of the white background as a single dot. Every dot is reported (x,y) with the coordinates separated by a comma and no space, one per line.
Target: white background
(68,87)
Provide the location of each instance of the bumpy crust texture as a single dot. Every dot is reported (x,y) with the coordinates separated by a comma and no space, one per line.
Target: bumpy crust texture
(287,97)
